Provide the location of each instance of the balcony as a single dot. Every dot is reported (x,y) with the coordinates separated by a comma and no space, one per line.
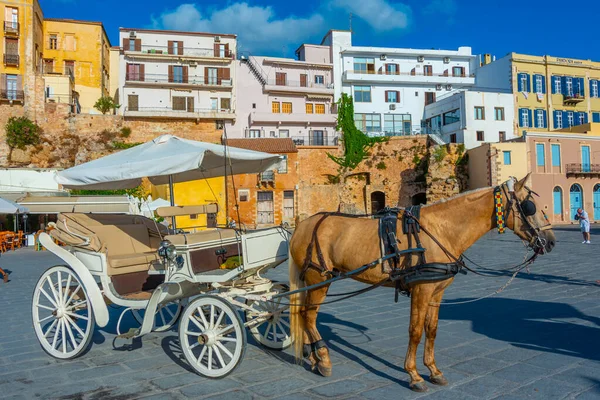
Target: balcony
(408,77)
(12,95)
(51,70)
(275,85)
(298,118)
(133,79)
(573,99)
(583,170)
(11,28)
(316,140)
(167,112)
(11,59)
(177,52)
(266,178)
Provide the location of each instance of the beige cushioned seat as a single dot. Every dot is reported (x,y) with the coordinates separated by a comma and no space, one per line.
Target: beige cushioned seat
(127,247)
(201,237)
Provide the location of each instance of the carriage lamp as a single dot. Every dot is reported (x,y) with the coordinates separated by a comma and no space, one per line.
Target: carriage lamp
(167,250)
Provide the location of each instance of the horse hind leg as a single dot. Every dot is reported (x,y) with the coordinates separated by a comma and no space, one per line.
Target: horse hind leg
(431,324)
(420,298)
(319,354)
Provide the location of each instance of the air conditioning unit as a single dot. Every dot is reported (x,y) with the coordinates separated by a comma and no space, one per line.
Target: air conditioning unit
(193,64)
(438,87)
(448,87)
(446,60)
(383,57)
(217,39)
(392,106)
(420,58)
(132,34)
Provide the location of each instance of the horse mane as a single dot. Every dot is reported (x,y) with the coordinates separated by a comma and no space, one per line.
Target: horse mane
(458,196)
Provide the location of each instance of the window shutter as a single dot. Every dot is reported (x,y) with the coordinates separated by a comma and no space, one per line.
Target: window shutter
(582,87)
(219,75)
(565,117)
(185,73)
(591,93)
(529,115)
(520,83)
(397,96)
(142,72)
(226,73)
(563,85)
(19,82)
(545,118)
(521,117)
(170,47)
(543,85)
(205,75)
(170,73)
(596,117)
(190,104)
(386,95)
(553,88)
(528,82)
(227,50)
(585,117)
(180,50)
(556,119)
(138,44)
(216,48)
(125,44)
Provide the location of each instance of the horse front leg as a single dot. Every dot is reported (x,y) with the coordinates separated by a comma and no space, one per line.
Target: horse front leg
(431,324)
(319,353)
(420,297)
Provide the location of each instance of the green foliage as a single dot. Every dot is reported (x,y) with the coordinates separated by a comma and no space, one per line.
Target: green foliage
(125,131)
(440,153)
(123,146)
(356,143)
(105,104)
(137,191)
(333,179)
(21,132)
(381,166)
(461,149)
(416,160)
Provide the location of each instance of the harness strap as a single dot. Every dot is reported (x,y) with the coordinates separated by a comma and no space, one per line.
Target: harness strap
(314,242)
(499,210)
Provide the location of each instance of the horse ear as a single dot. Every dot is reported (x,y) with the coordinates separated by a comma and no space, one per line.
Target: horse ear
(523,182)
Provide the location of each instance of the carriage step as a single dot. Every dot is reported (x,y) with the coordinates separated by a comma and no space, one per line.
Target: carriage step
(133,332)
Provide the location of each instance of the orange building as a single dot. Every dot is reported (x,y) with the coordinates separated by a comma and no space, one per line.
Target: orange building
(269,198)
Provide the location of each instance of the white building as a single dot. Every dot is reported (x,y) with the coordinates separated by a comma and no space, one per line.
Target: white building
(170,74)
(392,86)
(472,117)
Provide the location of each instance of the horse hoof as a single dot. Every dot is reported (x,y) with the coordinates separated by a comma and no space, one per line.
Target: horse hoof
(325,371)
(439,380)
(418,387)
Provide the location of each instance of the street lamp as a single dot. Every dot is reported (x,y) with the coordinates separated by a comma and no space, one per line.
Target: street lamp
(25,216)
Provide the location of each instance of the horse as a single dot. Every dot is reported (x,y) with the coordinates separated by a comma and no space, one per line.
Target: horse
(346,244)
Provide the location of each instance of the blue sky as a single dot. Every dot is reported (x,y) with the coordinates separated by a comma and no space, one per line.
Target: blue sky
(277,28)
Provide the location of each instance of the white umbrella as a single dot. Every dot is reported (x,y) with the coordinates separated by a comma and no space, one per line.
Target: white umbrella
(153,205)
(10,207)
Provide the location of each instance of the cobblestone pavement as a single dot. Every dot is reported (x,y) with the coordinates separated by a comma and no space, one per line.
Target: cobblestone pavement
(540,338)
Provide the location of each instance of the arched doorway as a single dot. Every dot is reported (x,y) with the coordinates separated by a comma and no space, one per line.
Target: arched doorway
(597,202)
(377,202)
(576,199)
(419,198)
(557,197)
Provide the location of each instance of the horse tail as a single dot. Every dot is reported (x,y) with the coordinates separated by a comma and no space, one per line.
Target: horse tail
(296,301)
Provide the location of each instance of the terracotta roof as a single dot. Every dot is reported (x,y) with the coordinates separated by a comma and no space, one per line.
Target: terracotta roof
(267,145)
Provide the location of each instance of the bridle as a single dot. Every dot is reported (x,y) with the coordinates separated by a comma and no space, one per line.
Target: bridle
(522,209)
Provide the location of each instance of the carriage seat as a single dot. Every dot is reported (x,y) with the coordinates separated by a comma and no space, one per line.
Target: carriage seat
(129,247)
(186,239)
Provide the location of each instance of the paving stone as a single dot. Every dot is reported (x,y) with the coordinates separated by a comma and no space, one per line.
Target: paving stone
(339,388)
(234,394)
(486,387)
(478,366)
(173,381)
(547,388)
(520,373)
(210,387)
(278,387)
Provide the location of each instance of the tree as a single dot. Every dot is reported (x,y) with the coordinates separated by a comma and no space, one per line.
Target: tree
(21,132)
(105,104)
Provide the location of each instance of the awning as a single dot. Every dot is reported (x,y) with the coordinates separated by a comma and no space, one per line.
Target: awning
(319,97)
(81,204)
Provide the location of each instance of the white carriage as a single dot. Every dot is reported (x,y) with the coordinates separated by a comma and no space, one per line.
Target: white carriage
(163,277)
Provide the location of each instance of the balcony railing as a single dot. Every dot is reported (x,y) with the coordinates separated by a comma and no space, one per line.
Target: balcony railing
(183,51)
(11,59)
(49,69)
(182,80)
(573,98)
(171,109)
(11,27)
(266,177)
(307,84)
(315,140)
(583,169)
(13,95)
(411,73)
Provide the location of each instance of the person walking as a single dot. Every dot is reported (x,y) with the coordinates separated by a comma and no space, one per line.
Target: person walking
(584,224)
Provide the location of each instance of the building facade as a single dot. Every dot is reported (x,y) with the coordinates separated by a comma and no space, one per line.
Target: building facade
(76,65)
(392,86)
(471,117)
(490,164)
(287,98)
(177,75)
(550,93)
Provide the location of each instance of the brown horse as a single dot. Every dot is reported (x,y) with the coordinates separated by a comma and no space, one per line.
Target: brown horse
(349,243)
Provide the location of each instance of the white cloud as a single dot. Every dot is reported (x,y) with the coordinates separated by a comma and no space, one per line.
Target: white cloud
(379,14)
(257,27)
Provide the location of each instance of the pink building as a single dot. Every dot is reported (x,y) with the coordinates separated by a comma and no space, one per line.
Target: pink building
(283,97)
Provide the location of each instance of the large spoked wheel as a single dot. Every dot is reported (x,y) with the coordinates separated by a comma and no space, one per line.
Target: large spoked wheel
(274,332)
(165,317)
(62,315)
(212,336)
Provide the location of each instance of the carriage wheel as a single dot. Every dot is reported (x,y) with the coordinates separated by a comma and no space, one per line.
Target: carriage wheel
(165,317)
(274,333)
(212,336)
(62,316)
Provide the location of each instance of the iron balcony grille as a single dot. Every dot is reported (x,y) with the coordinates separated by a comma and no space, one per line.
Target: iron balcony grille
(267,176)
(11,27)
(315,140)
(171,109)
(182,51)
(583,169)
(11,59)
(178,79)
(15,95)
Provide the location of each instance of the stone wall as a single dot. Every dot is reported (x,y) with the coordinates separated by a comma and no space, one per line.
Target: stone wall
(447,172)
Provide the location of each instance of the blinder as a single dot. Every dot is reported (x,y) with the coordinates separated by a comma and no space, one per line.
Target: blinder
(528,207)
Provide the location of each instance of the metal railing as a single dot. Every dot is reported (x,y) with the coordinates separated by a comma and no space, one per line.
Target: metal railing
(184,80)
(315,140)
(15,95)
(171,109)
(582,169)
(48,69)
(307,84)
(11,59)
(183,51)
(267,176)
(411,73)
(11,27)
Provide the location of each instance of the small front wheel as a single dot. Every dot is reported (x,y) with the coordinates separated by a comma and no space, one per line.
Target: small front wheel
(62,315)
(274,331)
(212,336)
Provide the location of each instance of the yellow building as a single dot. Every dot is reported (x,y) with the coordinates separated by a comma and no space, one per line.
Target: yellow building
(21,49)
(76,62)
(550,93)
(493,163)
(115,53)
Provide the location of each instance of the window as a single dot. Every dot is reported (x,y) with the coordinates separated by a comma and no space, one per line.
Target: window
(397,124)
(284,133)
(53,43)
(275,107)
(453,138)
(540,156)
(225,104)
(362,94)
(524,118)
(177,47)
(288,204)
(243,195)
(253,106)
(523,82)
(392,96)
(309,108)
(286,108)
(555,148)
(12,86)
(557,85)
(317,138)
(458,71)
(254,133)
(506,157)
(11,18)
(48,66)
(594,88)
(212,76)
(319,79)
(214,103)
(364,65)
(501,136)
(177,74)
(539,84)
(70,43)
(132,102)
(179,103)
(540,118)
(569,86)
(429,98)
(427,70)
(451,117)
(392,69)
(499,113)
(219,124)
(193,216)
(368,122)
(570,119)
(280,78)
(480,136)
(319,108)
(558,119)
(582,118)
(282,166)
(479,113)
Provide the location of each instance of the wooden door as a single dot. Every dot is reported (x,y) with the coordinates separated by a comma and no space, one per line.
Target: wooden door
(288,204)
(265,208)
(132,102)
(303,80)
(280,78)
